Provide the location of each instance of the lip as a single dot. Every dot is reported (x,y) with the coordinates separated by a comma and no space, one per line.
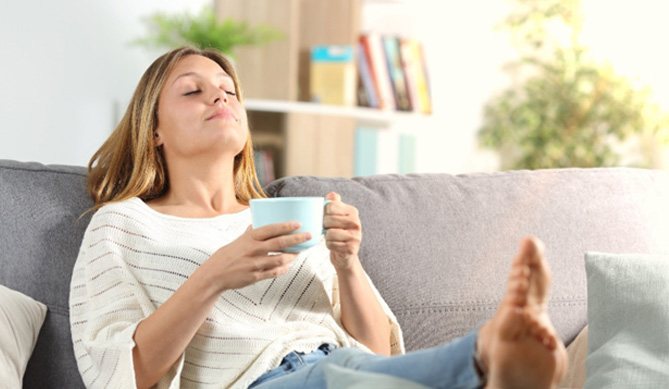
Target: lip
(222,113)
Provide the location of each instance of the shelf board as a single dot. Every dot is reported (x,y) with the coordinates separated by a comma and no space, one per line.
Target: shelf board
(363,115)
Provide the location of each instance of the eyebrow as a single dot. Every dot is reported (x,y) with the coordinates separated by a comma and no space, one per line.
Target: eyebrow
(221,74)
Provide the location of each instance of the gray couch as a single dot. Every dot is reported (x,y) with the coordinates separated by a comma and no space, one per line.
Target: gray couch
(437,246)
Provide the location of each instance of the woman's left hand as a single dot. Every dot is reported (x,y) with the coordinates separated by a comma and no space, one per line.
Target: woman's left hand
(343,232)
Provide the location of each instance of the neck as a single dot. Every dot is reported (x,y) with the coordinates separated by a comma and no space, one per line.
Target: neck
(201,188)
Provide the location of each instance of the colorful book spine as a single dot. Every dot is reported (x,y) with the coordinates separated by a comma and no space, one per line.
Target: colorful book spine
(415,70)
(393,74)
(408,64)
(396,73)
(373,45)
(422,79)
(369,90)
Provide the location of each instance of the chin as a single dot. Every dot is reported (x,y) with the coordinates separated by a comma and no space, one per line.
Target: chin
(228,145)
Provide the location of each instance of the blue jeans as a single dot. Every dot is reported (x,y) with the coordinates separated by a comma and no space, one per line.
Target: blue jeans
(446,366)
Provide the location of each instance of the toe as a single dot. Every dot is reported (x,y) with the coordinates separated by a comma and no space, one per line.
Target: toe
(517,292)
(539,273)
(541,333)
(519,272)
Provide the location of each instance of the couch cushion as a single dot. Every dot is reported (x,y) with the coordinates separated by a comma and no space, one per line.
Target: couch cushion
(39,242)
(439,246)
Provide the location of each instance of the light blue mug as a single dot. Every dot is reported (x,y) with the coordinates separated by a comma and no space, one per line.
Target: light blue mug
(308,211)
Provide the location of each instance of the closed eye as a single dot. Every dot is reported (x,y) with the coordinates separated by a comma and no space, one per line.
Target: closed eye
(231,93)
(192,92)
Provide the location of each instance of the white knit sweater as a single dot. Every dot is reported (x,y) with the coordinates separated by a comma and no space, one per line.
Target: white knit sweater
(133,258)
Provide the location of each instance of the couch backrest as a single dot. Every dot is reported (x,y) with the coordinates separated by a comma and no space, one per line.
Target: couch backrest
(439,246)
(40,236)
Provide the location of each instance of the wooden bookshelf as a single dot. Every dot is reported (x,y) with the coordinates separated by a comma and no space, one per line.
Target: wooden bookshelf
(363,116)
(304,138)
(280,70)
(305,143)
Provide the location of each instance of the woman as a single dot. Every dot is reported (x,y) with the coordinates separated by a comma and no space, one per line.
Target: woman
(173,287)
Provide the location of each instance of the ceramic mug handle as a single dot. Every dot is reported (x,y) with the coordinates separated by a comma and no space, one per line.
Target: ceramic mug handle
(325,205)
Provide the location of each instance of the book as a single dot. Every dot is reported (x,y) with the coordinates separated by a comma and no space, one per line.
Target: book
(417,70)
(376,57)
(408,66)
(367,90)
(332,75)
(391,46)
(361,94)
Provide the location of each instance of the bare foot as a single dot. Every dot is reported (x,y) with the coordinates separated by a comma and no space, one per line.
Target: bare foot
(518,347)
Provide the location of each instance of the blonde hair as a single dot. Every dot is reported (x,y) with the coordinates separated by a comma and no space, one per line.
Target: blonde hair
(129,165)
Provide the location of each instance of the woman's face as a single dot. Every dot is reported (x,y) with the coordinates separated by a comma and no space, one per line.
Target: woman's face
(198,111)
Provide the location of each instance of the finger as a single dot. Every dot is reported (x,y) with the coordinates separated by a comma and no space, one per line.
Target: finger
(274,265)
(269,262)
(342,248)
(339,235)
(343,222)
(274,272)
(282,242)
(342,209)
(272,230)
(333,244)
(333,196)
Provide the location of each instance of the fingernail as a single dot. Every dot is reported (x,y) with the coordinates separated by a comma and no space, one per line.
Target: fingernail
(308,235)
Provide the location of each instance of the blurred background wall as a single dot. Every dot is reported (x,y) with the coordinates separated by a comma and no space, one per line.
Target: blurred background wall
(68,69)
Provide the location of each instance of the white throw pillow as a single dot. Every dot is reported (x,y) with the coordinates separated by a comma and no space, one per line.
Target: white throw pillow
(577,351)
(628,321)
(21,319)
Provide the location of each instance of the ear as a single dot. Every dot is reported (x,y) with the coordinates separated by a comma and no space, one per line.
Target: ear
(157,140)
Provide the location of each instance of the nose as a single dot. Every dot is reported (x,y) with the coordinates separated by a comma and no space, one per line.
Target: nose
(218,96)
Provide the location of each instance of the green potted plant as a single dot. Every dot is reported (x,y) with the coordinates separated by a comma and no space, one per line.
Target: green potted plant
(567,109)
(204,30)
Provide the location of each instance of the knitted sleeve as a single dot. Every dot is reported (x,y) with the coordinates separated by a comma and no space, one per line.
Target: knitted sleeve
(106,305)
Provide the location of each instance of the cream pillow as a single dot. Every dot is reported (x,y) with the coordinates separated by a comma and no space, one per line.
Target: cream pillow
(21,319)
(577,351)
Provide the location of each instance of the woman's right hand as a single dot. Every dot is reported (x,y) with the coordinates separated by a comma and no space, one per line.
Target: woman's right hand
(246,260)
